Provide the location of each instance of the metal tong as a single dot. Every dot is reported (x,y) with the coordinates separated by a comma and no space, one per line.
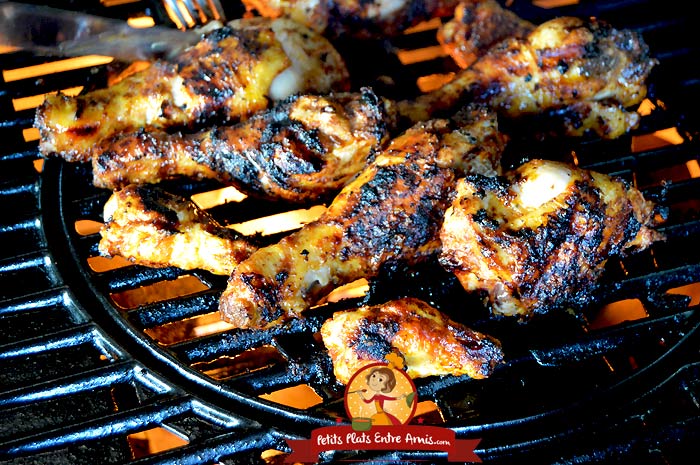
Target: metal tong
(56,32)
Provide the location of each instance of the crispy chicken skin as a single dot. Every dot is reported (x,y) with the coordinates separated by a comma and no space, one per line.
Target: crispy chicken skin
(430,343)
(152,227)
(539,237)
(305,148)
(476,144)
(391,211)
(563,62)
(358,19)
(477,26)
(233,72)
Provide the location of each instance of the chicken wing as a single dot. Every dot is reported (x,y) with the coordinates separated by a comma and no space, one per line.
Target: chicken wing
(152,227)
(358,19)
(305,148)
(234,71)
(430,343)
(563,62)
(391,211)
(539,237)
(477,26)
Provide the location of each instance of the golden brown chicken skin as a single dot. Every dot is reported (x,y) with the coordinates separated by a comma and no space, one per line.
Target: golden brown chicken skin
(539,237)
(233,72)
(152,227)
(305,148)
(358,19)
(430,343)
(391,211)
(565,61)
(477,26)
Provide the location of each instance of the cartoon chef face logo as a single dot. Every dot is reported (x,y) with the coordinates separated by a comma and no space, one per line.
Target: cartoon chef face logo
(380,394)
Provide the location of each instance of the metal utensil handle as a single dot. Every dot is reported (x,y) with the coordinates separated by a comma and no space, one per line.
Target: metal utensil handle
(52,31)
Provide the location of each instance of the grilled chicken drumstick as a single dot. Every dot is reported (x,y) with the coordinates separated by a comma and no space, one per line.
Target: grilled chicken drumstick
(429,342)
(151,227)
(563,62)
(357,19)
(306,147)
(477,26)
(391,211)
(539,238)
(233,72)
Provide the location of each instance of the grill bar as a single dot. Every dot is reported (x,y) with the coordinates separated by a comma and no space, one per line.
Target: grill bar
(148,316)
(117,424)
(43,300)
(645,161)
(124,279)
(76,336)
(91,379)
(619,339)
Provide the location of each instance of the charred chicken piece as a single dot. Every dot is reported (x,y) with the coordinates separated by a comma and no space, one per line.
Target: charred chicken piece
(578,119)
(305,148)
(563,62)
(233,72)
(476,145)
(539,237)
(152,227)
(390,212)
(429,342)
(376,19)
(477,26)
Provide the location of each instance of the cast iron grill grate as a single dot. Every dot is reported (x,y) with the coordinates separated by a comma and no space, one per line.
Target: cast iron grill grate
(83,376)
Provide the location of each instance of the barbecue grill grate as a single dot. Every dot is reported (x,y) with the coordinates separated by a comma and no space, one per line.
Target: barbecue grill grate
(84,373)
